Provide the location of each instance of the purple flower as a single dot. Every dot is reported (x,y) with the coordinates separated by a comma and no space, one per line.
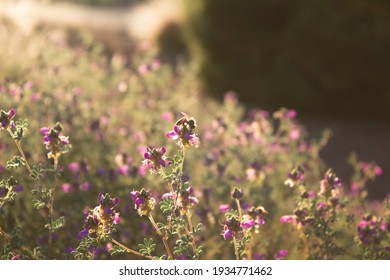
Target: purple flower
(295,177)
(183,132)
(82,234)
(237,193)
(371,230)
(18,188)
(291,114)
(143,69)
(330,184)
(224,207)
(256,214)
(66,187)
(123,170)
(247,224)
(168,195)
(227,233)
(99,220)
(144,203)
(281,254)
(85,186)
(378,171)
(6,119)
(185,199)
(74,167)
(167,116)
(321,205)
(155,159)
(231,228)
(54,140)
(257,256)
(290,219)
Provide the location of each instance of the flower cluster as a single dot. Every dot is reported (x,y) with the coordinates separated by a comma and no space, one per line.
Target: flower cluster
(183,132)
(144,203)
(256,214)
(232,227)
(6,119)
(185,200)
(237,193)
(295,177)
(54,140)
(372,229)
(100,219)
(330,185)
(155,159)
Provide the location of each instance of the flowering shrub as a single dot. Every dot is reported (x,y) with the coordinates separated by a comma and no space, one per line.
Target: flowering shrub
(117,177)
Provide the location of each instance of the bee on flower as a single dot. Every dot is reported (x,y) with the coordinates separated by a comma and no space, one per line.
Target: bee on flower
(183,132)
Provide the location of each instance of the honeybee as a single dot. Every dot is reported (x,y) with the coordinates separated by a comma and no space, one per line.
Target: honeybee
(186,120)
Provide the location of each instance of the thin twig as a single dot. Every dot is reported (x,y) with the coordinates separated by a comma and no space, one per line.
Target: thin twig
(164,239)
(131,250)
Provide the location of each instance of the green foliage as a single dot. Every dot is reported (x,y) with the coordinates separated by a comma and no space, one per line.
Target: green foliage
(15,163)
(111,112)
(56,224)
(21,127)
(148,247)
(285,54)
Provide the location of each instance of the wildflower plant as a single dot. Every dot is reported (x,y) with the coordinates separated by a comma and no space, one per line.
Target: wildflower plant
(172,181)
(177,232)
(241,227)
(43,196)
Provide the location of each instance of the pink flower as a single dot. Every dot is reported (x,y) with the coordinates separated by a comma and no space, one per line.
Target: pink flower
(156,64)
(290,114)
(290,219)
(66,187)
(167,116)
(155,159)
(281,254)
(143,69)
(378,171)
(247,224)
(74,167)
(223,208)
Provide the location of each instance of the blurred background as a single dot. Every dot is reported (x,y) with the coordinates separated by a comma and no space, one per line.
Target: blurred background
(329,60)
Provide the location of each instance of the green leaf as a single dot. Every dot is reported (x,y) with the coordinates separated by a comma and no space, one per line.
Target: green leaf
(198,228)
(116,250)
(40,198)
(58,223)
(37,172)
(15,163)
(21,127)
(167,205)
(148,247)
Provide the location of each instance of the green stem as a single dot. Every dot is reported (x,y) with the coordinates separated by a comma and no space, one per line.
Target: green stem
(21,152)
(163,237)
(6,236)
(51,207)
(6,197)
(239,209)
(248,247)
(190,232)
(131,250)
(236,248)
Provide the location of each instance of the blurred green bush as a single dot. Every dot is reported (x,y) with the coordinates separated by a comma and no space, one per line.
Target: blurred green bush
(321,57)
